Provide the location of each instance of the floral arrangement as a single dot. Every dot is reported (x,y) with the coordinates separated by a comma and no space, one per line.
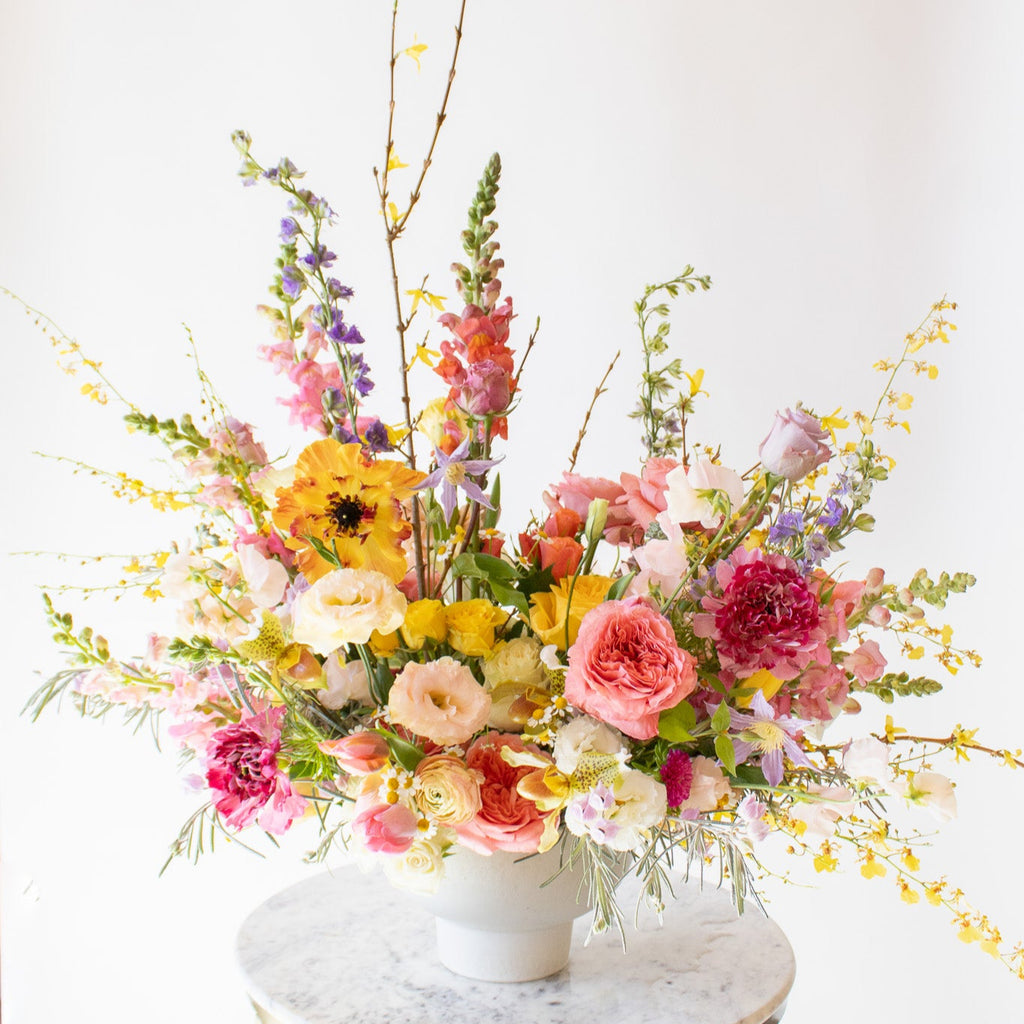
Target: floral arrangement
(647,668)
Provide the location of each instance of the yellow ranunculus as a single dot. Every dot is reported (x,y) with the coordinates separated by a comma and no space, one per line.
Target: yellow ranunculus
(471,625)
(548,611)
(424,620)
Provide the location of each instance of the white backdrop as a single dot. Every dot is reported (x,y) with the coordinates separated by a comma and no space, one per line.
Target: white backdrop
(835,168)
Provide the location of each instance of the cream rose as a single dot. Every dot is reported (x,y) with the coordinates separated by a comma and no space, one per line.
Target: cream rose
(440,701)
(420,868)
(345,607)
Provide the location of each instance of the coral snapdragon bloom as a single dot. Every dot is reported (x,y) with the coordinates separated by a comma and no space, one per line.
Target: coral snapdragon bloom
(349,503)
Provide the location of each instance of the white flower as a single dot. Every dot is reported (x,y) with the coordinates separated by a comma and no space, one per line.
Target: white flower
(345,681)
(585,735)
(345,607)
(640,803)
(820,815)
(867,760)
(180,577)
(420,868)
(265,578)
(932,791)
(687,503)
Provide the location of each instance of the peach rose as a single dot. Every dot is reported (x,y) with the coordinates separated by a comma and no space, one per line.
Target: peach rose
(447,791)
(440,701)
(507,820)
(626,668)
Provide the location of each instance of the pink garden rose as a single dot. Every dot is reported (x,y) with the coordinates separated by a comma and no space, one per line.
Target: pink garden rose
(768,616)
(506,819)
(626,667)
(242,770)
(795,445)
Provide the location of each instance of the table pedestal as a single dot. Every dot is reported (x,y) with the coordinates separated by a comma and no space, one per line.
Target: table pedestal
(347,948)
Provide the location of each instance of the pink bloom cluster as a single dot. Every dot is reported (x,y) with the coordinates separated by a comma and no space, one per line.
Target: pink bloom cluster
(242,770)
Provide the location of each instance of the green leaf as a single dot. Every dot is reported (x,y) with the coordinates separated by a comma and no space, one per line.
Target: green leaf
(509,595)
(676,723)
(726,752)
(483,567)
(721,718)
(618,588)
(405,753)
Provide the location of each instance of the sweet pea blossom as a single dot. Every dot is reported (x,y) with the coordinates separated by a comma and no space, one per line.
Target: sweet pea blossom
(695,495)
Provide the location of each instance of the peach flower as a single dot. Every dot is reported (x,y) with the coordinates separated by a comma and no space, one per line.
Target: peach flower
(507,820)
(359,753)
(386,828)
(626,667)
(447,791)
(440,700)
(645,494)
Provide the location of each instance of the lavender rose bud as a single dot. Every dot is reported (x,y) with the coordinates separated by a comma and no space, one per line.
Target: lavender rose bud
(795,445)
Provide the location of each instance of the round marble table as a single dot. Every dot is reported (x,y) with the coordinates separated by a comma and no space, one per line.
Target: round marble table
(347,948)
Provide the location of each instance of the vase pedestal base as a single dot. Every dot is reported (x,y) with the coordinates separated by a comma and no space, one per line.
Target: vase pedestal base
(503,956)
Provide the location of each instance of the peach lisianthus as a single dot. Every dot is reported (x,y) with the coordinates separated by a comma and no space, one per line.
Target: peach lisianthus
(440,701)
(345,607)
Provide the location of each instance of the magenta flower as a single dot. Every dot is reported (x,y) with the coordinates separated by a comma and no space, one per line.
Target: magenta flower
(769,735)
(455,472)
(767,617)
(677,774)
(242,770)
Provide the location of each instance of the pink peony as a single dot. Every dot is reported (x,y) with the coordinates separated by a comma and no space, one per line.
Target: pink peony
(626,668)
(241,768)
(767,616)
(506,820)
(645,494)
(795,445)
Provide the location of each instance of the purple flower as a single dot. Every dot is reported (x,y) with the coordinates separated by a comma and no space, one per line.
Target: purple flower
(289,228)
(337,290)
(831,514)
(455,471)
(816,550)
(292,281)
(769,735)
(321,256)
(789,524)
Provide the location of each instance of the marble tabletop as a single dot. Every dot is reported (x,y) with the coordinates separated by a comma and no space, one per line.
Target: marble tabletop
(347,948)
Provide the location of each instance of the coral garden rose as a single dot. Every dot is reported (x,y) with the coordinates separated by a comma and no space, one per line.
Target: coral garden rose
(626,667)
(440,701)
(447,790)
(242,771)
(795,445)
(506,820)
(345,607)
(767,617)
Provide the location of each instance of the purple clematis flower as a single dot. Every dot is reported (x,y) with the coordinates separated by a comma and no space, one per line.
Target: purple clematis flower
(770,735)
(455,471)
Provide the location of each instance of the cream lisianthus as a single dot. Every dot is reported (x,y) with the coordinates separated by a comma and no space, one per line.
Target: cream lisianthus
(345,607)
(640,803)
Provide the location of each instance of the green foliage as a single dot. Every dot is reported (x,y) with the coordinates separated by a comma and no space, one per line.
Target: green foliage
(936,593)
(663,407)
(479,280)
(899,684)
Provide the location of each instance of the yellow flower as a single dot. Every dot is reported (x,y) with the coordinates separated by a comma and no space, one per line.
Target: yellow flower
(471,625)
(351,505)
(424,620)
(549,611)
(761,680)
(383,644)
